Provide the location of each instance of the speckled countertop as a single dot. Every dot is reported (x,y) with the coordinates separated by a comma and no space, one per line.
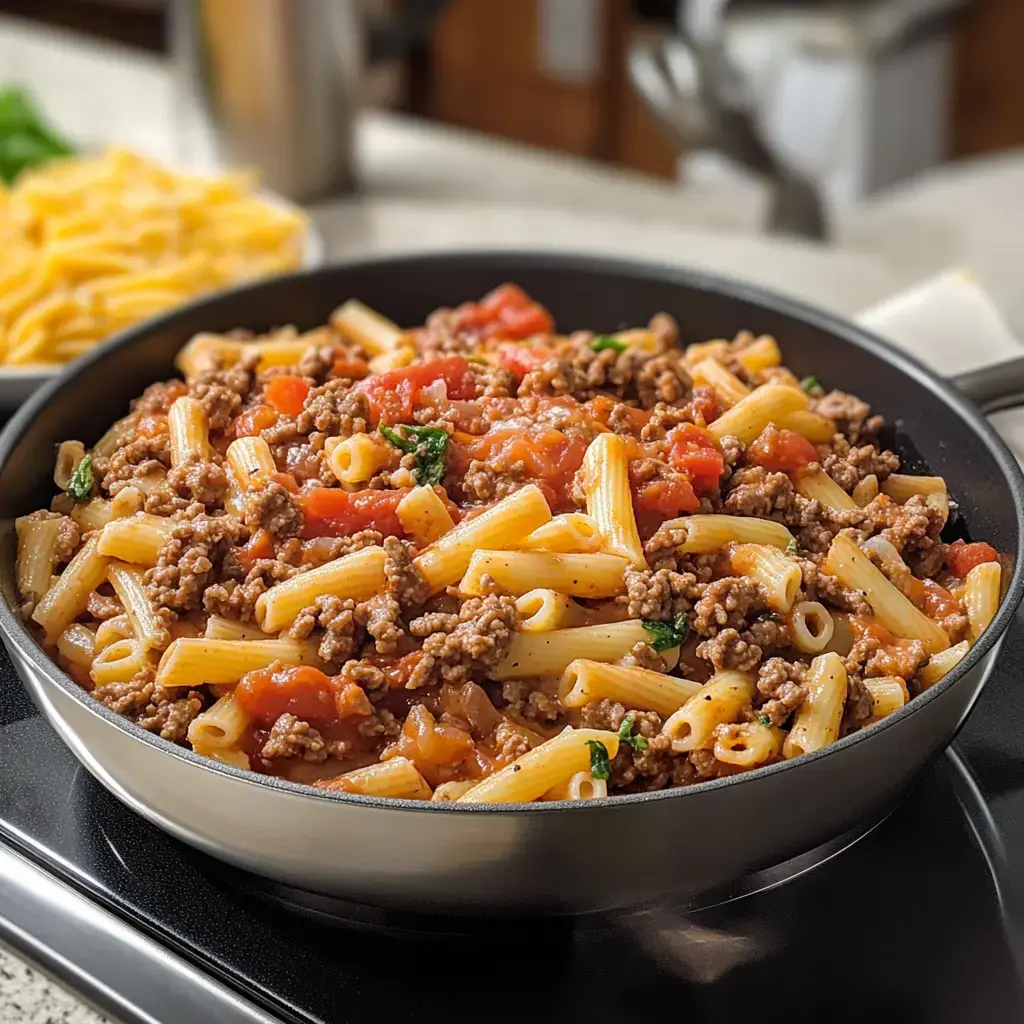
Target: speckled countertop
(28,997)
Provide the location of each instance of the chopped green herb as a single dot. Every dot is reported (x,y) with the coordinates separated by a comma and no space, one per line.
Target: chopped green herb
(81,483)
(600,765)
(25,139)
(666,635)
(626,735)
(428,444)
(791,547)
(765,720)
(606,341)
(810,383)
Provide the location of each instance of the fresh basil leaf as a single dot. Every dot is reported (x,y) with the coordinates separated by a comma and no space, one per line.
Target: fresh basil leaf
(82,480)
(764,720)
(25,140)
(626,735)
(810,383)
(600,765)
(428,444)
(791,547)
(666,635)
(606,341)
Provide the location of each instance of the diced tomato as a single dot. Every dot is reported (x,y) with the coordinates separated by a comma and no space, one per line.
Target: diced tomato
(781,451)
(431,745)
(298,690)
(694,451)
(329,512)
(962,558)
(261,545)
(393,395)
(939,603)
(703,405)
(350,700)
(666,497)
(151,426)
(523,359)
(287,394)
(250,423)
(348,366)
(506,312)
(505,296)
(287,481)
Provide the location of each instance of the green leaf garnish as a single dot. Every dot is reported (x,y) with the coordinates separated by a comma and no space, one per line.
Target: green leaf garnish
(606,341)
(428,444)
(765,720)
(666,635)
(626,735)
(25,139)
(791,547)
(82,480)
(809,383)
(600,765)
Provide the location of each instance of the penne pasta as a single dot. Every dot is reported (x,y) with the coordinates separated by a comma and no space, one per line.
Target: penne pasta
(605,476)
(728,388)
(816,723)
(764,405)
(68,597)
(539,770)
(582,786)
(356,459)
(94,514)
(136,539)
(366,327)
(706,534)
(892,609)
(518,572)
(118,662)
(549,654)
(38,536)
(866,491)
(812,627)
(195,661)
(761,354)
(815,428)
(981,597)
(571,533)
(542,610)
(720,701)
(819,486)
(189,432)
(450,791)
(424,516)
(747,744)
(397,779)
(219,628)
(887,695)
(112,630)
(251,462)
(69,455)
(220,727)
(129,584)
(942,663)
(779,577)
(499,528)
(77,644)
(586,682)
(901,486)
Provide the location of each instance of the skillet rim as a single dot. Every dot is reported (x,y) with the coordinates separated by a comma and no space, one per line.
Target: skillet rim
(18,635)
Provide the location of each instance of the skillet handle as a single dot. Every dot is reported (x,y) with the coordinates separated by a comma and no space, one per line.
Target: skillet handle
(996,387)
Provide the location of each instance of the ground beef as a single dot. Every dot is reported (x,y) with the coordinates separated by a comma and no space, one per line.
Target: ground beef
(851,416)
(236,598)
(402,580)
(321,550)
(483,482)
(144,457)
(68,538)
(103,607)
(665,330)
(872,658)
(475,647)
(848,465)
(663,379)
(336,410)
(857,709)
(727,603)
(158,398)
(291,737)
(662,594)
(781,689)
(643,655)
(274,509)
(129,698)
(188,561)
(205,482)
(169,714)
(820,586)
(220,391)
(381,616)
(532,700)
(767,631)
(753,491)
(729,651)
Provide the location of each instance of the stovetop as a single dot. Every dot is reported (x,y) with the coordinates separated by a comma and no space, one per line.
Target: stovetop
(921,921)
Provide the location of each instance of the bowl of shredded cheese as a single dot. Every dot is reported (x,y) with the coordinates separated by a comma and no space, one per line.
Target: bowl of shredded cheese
(94,244)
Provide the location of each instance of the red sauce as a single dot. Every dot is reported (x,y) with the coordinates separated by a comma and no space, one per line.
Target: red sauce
(600,409)
(703,406)
(302,691)
(287,394)
(962,558)
(665,498)
(436,748)
(347,366)
(693,450)
(506,312)
(393,396)
(781,451)
(251,422)
(329,512)
(522,359)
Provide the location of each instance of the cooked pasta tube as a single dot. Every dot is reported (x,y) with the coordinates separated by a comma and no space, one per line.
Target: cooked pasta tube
(220,727)
(586,682)
(542,610)
(93,515)
(716,348)
(901,486)
(499,528)
(37,553)
(942,663)
(706,534)
(570,533)
(892,609)
(77,644)
(815,428)
(605,476)
(366,327)
(69,455)
(359,575)
(555,761)
(517,572)
(126,502)
(719,701)
(189,431)
(137,539)
(219,628)
(118,663)
(251,462)
(816,724)
(887,695)
(762,354)
(981,597)
(549,654)
(235,758)
(193,661)
(764,405)
(205,348)
(111,630)
(582,786)
(448,792)
(398,357)
(866,491)
(397,778)
(811,627)
(355,459)
(728,388)
(129,584)
(69,595)
(747,744)
(780,577)
(424,516)
(819,486)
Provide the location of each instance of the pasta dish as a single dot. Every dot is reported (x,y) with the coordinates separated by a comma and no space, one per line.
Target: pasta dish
(90,246)
(481,561)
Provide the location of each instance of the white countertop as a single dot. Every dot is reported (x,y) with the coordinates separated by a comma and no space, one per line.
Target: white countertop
(432,187)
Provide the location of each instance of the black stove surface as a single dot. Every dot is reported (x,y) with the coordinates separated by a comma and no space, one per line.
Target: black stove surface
(920,921)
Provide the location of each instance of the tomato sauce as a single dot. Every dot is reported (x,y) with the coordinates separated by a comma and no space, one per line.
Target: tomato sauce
(252,421)
(962,557)
(394,396)
(329,512)
(781,451)
(694,451)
